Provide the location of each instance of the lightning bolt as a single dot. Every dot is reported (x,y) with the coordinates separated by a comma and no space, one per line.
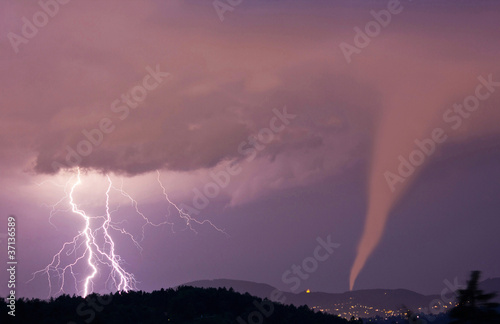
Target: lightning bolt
(93,249)
(189,220)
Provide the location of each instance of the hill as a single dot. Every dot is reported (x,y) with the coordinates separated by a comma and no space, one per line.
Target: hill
(363,303)
(184,305)
(253,288)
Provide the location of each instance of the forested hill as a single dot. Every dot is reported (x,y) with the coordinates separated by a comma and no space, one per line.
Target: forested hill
(181,305)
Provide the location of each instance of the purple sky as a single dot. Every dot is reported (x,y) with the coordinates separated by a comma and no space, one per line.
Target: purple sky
(201,89)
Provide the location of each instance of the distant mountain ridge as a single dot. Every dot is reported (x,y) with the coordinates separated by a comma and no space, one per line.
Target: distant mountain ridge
(364,303)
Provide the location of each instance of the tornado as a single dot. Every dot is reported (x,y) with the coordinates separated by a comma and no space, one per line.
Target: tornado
(406,117)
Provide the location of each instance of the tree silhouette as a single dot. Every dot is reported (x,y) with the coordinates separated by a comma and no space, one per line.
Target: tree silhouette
(183,305)
(474,306)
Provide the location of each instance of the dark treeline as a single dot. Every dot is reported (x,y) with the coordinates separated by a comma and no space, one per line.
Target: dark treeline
(181,305)
(219,306)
